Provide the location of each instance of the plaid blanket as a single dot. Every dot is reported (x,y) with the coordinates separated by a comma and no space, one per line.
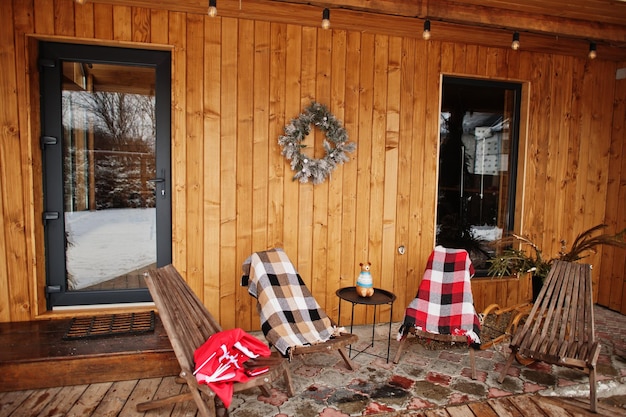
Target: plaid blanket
(290,316)
(444,302)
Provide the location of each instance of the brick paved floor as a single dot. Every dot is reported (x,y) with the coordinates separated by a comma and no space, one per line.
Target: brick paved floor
(427,377)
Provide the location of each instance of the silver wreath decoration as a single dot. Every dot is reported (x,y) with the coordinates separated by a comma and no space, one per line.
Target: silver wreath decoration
(335,145)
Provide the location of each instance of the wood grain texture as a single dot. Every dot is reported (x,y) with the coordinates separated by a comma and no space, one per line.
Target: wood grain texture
(119,398)
(237,81)
(612,288)
(546,26)
(212,164)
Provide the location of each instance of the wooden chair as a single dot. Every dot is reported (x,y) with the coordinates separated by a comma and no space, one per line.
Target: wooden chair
(291,319)
(443,309)
(188,325)
(560,327)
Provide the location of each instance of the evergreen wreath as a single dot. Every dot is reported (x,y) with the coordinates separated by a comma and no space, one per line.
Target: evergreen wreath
(295,132)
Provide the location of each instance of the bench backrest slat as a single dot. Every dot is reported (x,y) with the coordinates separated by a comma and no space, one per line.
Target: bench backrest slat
(186,320)
(561,322)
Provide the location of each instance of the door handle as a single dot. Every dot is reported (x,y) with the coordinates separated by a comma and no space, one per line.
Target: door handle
(160,180)
(50,215)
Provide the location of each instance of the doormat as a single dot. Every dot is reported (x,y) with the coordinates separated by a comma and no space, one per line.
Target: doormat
(110,325)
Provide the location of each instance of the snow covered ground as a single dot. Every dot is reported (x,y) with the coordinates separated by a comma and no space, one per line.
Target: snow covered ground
(105,244)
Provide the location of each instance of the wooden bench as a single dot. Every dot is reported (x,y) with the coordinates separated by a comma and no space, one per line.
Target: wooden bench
(188,325)
(560,327)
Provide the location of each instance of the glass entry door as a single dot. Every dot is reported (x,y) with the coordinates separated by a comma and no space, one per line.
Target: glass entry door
(106,181)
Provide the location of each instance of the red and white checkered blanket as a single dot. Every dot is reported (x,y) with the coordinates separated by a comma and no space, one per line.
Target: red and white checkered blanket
(444,302)
(290,316)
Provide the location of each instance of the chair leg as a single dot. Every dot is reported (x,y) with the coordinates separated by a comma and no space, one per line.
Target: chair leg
(593,399)
(346,358)
(472,362)
(396,358)
(289,383)
(266,390)
(509,361)
(205,408)
(162,402)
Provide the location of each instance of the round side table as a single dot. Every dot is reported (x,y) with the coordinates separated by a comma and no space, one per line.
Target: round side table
(379,297)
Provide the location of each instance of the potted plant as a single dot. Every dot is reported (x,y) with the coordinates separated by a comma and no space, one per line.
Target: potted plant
(512,261)
(453,233)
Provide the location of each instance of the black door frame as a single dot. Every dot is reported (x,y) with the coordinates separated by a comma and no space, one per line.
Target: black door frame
(51,55)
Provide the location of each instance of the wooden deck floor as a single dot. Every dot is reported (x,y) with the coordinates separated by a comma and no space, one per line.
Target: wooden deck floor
(34,355)
(121,398)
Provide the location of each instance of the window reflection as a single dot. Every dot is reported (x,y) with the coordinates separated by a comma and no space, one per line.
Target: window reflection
(477,165)
(109,138)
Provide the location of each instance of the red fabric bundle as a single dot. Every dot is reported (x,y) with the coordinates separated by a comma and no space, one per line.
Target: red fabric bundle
(219,361)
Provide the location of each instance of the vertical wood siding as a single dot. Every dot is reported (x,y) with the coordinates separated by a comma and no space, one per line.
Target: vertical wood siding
(612,288)
(235,85)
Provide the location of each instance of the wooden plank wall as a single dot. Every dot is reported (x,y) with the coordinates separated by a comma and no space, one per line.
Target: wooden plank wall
(612,286)
(505,292)
(237,82)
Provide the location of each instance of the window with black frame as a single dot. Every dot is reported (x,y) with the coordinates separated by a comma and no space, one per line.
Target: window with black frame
(479,138)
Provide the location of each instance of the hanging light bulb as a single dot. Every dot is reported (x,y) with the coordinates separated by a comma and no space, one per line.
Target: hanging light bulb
(426,32)
(212,8)
(515,43)
(593,53)
(81,2)
(326,19)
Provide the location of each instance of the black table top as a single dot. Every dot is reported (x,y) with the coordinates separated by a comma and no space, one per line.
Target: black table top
(380,296)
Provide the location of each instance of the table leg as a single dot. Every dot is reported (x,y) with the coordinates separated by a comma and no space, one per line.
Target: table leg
(389,332)
(351,326)
(373,327)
